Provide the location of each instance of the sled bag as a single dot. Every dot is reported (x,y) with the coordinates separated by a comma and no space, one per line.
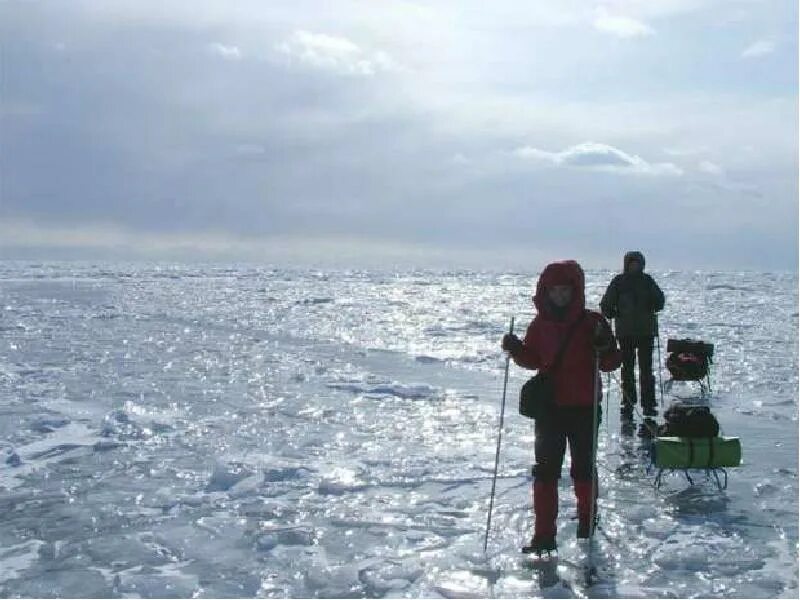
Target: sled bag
(696,453)
(687,420)
(688,346)
(685,366)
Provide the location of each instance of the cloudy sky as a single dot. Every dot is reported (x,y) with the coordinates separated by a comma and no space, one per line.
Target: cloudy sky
(441,133)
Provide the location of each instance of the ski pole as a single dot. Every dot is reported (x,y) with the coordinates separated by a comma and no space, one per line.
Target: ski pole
(593,497)
(660,384)
(497,452)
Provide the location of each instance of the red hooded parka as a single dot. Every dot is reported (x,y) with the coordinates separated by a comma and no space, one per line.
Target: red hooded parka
(574,383)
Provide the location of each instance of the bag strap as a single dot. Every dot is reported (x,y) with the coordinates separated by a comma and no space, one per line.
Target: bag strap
(565,343)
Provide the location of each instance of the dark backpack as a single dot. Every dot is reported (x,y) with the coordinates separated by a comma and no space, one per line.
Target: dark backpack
(685,420)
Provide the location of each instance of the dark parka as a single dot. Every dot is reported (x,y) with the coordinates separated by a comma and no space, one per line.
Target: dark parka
(632,300)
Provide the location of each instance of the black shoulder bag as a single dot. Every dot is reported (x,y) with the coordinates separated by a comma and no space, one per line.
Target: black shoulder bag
(537,397)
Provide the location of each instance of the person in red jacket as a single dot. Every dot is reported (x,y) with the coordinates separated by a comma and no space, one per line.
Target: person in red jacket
(561,305)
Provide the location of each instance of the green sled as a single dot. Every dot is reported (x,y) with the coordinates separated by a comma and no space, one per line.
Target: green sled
(696,453)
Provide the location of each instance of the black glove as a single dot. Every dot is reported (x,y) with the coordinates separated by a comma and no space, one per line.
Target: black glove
(603,339)
(511,343)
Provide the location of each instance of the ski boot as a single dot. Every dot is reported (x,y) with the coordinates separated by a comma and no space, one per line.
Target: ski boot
(627,429)
(541,544)
(648,429)
(626,413)
(649,410)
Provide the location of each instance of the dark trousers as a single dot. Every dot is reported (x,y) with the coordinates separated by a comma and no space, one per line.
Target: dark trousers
(643,346)
(573,425)
(566,425)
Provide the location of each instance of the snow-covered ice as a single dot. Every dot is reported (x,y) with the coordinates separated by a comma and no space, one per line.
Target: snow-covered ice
(208,431)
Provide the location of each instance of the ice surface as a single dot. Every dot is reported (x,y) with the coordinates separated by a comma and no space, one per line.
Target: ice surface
(206,431)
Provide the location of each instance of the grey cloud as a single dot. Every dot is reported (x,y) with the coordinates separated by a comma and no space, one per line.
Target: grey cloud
(206,130)
(145,126)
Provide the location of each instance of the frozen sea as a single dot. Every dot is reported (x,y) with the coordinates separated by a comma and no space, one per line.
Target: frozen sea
(205,431)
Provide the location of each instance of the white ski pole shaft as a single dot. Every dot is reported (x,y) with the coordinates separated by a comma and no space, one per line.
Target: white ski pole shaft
(660,384)
(592,501)
(497,452)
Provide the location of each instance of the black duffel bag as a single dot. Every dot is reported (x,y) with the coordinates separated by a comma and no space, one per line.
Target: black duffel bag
(537,397)
(686,420)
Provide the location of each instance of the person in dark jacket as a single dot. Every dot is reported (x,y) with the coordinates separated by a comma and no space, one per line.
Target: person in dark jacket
(632,299)
(561,305)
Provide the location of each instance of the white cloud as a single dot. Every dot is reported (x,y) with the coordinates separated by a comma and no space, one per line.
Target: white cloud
(720,180)
(706,166)
(759,49)
(600,157)
(333,53)
(621,26)
(459,159)
(225,51)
